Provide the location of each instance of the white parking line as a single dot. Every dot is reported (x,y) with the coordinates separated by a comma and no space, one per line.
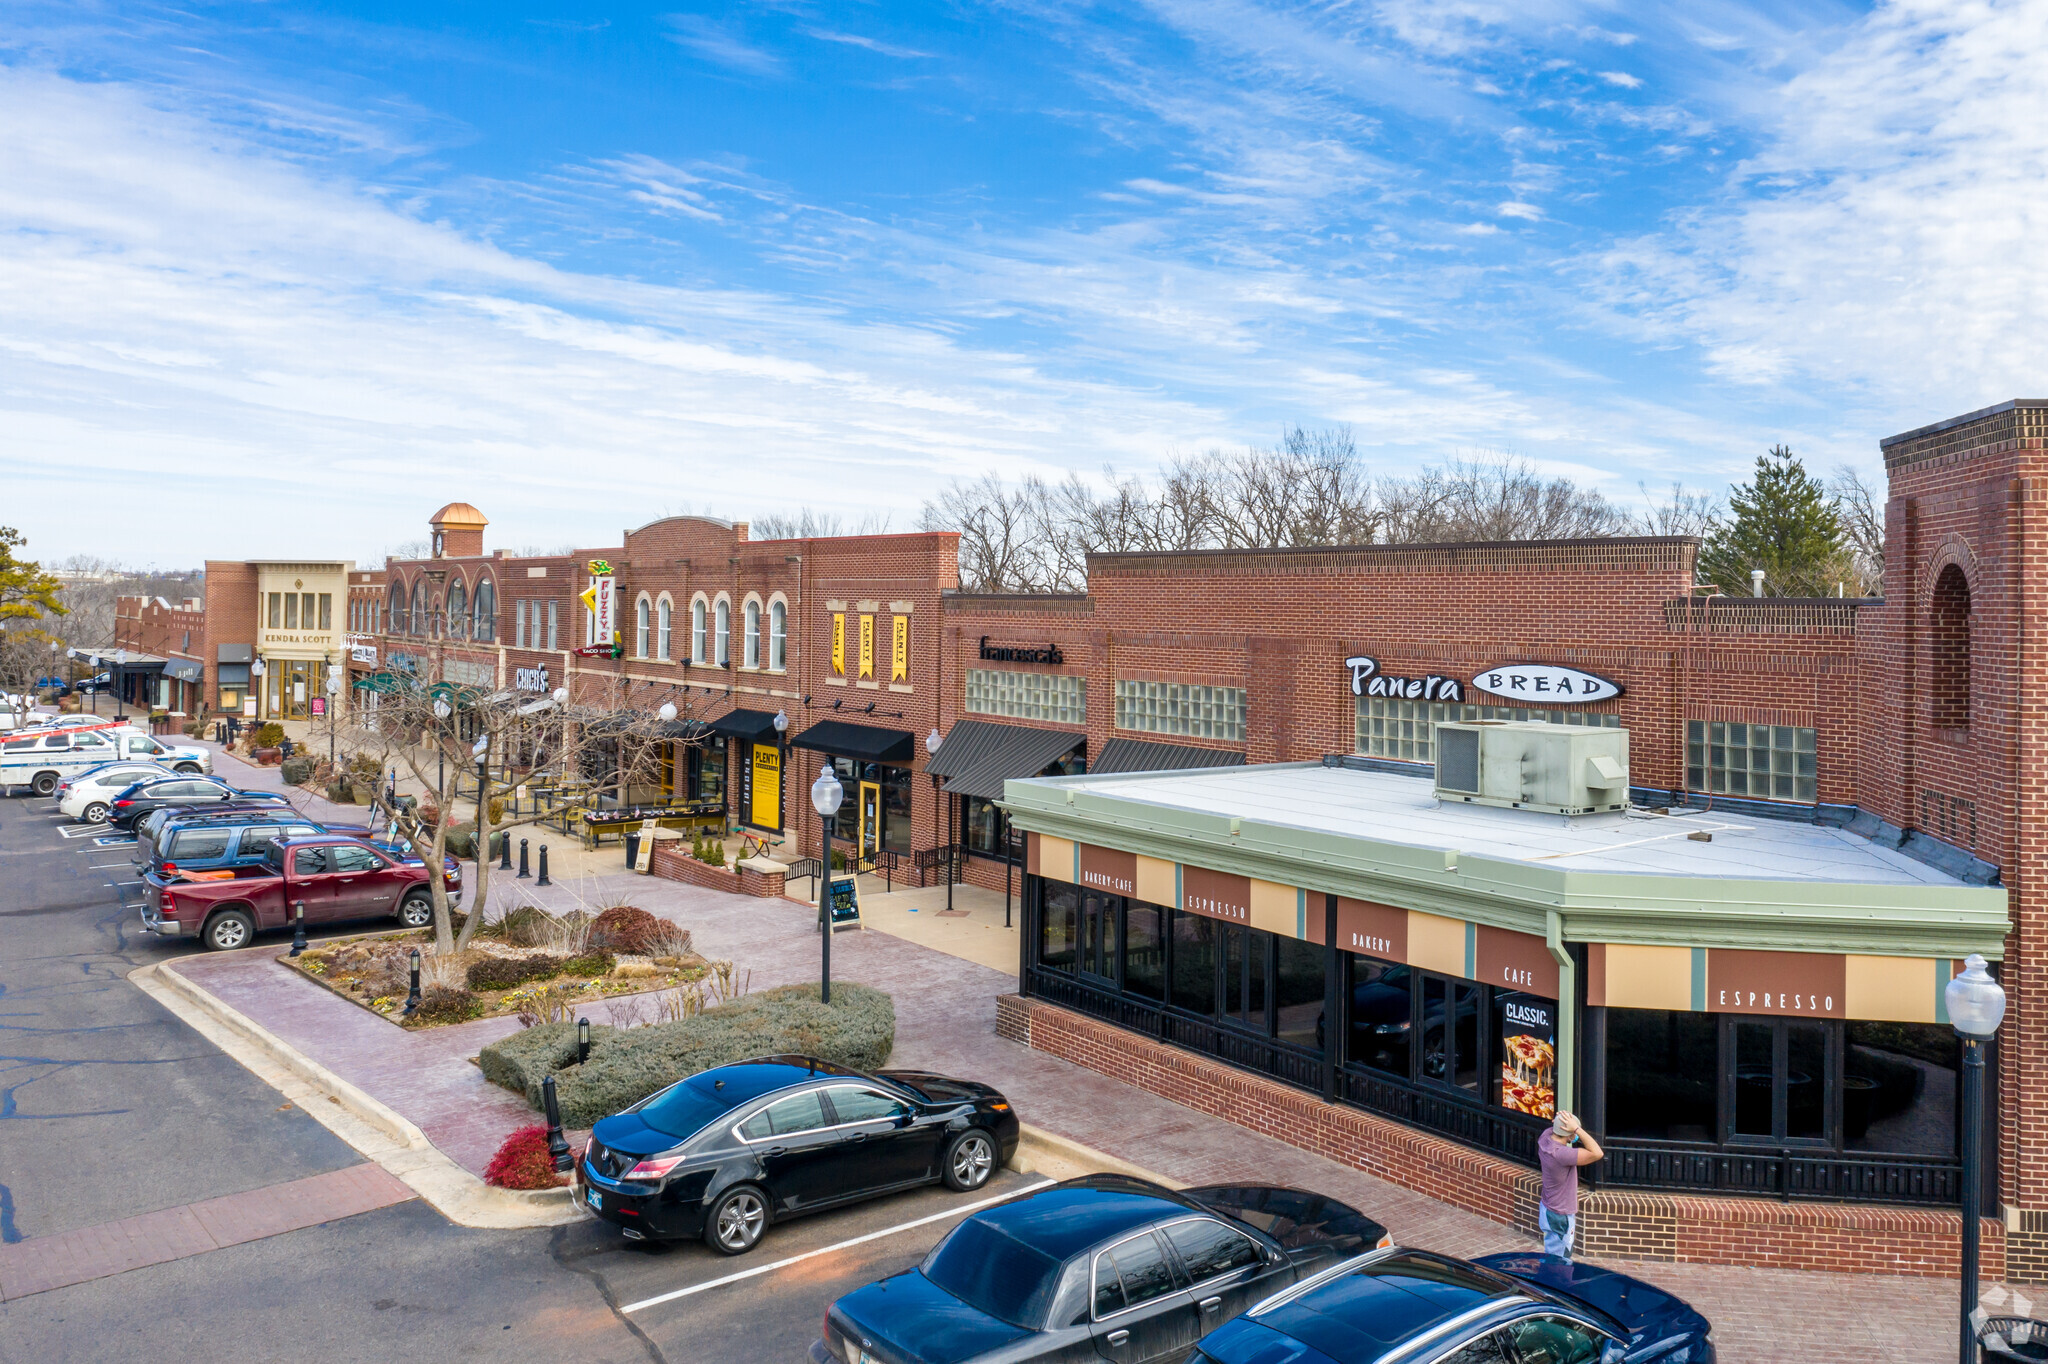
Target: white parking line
(107,866)
(827,1250)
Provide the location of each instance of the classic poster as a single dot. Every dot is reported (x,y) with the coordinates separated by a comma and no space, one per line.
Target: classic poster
(1528,1052)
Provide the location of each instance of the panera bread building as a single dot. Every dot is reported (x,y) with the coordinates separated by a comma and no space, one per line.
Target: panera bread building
(1753,1023)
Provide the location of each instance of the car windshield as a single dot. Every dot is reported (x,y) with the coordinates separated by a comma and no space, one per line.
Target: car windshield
(684,1110)
(994,1273)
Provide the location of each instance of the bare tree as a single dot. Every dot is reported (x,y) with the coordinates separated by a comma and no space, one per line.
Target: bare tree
(1862,517)
(995,523)
(489,745)
(1683,512)
(806,523)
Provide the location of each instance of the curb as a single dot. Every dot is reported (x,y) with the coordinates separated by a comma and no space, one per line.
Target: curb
(1043,1152)
(367,1124)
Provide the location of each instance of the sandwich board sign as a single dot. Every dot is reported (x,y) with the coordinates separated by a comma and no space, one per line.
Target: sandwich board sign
(842,897)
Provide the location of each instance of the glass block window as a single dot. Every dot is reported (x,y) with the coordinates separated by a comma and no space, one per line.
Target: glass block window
(1180,708)
(1756,762)
(1401,730)
(1028,696)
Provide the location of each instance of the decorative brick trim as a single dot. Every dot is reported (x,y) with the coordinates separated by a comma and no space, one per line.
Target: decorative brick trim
(1855,1238)
(674,863)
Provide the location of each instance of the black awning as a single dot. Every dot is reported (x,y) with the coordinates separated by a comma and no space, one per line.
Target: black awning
(1138,755)
(748,726)
(979,755)
(868,743)
(182,670)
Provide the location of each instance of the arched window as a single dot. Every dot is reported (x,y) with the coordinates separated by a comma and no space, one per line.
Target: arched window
(697,631)
(722,640)
(778,637)
(640,627)
(436,622)
(417,623)
(752,654)
(398,609)
(1948,649)
(664,619)
(458,611)
(485,612)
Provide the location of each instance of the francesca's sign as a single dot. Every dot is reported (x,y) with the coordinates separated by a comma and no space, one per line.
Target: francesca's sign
(1217,894)
(1811,984)
(1108,869)
(1368,680)
(1545,684)
(1008,653)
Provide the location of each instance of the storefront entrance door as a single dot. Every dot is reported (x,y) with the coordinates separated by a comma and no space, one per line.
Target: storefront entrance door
(870,818)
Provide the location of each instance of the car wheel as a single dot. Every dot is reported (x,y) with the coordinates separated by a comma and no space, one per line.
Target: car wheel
(44,784)
(189,769)
(970,1160)
(736,1221)
(227,930)
(95,813)
(416,911)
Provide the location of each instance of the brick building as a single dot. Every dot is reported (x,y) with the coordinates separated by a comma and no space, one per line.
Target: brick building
(160,666)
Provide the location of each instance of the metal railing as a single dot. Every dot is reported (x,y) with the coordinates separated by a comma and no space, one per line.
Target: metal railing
(1780,1172)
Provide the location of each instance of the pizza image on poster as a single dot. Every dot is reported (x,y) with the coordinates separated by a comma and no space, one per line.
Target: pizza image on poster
(1528,1054)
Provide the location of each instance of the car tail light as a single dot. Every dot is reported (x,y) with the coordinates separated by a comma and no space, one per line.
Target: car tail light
(167,903)
(169,869)
(1000,1106)
(123,802)
(653,1168)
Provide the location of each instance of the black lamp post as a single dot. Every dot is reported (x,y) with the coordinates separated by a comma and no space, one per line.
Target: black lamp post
(1976,1006)
(333,695)
(826,793)
(932,741)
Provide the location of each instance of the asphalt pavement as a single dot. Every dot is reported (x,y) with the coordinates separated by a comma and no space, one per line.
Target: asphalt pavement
(111,1107)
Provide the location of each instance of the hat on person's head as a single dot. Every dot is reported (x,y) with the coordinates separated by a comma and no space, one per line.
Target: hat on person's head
(1565,1125)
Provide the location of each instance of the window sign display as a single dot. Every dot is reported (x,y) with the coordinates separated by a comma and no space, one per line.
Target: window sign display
(1528,1052)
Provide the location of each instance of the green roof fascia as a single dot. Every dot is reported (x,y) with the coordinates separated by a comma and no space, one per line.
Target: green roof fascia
(1734,912)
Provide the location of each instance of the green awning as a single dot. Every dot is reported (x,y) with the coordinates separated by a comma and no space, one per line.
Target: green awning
(384,682)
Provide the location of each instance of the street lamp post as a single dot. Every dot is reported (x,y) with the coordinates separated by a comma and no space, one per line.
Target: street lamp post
(932,741)
(826,793)
(1976,1006)
(333,695)
(442,710)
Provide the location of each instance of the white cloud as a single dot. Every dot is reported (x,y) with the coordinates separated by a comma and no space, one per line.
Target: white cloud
(719,45)
(1516,209)
(871,44)
(1622,79)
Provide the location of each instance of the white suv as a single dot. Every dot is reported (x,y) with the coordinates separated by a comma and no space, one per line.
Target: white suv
(89,795)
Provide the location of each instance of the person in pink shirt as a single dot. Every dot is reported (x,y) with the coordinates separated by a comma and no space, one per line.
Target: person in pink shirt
(1561,1150)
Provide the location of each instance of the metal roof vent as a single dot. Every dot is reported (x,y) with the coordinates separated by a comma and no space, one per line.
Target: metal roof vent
(1531,765)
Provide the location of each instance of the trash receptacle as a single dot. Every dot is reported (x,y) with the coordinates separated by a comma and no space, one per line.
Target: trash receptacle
(632,849)
(2014,1338)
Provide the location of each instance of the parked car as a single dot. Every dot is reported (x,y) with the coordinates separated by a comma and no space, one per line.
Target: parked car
(138,800)
(40,757)
(150,826)
(209,844)
(727,1152)
(1105,1267)
(337,878)
(89,795)
(1423,1308)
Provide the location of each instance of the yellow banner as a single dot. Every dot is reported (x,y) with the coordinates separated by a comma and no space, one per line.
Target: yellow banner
(899,650)
(839,645)
(767,811)
(867,646)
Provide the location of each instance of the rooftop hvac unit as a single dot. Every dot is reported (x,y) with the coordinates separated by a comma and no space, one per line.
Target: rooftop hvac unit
(1531,765)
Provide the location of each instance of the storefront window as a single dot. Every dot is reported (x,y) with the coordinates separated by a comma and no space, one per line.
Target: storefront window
(888,804)
(1900,1093)
(982,826)
(1382,1015)
(1244,976)
(896,809)
(1058,921)
(1297,991)
(1096,950)
(1145,950)
(707,774)
(1662,1065)
(1450,1032)
(1194,962)
(1405,730)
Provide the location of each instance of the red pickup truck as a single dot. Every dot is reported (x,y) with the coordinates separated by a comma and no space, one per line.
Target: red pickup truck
(336,878)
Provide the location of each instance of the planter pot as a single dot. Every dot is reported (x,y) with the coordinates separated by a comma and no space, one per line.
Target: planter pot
(341,793)
(268,757)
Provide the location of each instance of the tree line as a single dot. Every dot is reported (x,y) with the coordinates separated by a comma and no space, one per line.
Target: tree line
(1812,537)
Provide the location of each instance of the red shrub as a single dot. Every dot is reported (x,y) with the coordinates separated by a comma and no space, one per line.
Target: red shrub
(624,929)
(523,1162)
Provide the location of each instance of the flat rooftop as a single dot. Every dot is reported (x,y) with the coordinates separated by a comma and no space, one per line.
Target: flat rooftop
(1390,808)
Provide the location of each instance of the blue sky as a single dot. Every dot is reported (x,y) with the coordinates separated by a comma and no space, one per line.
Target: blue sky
(281,277)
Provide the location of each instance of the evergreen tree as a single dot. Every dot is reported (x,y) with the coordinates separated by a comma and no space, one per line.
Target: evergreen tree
(1783,522)
(26,591)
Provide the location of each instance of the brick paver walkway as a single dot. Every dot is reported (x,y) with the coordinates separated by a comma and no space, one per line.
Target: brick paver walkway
(42,1263)
(945,1022)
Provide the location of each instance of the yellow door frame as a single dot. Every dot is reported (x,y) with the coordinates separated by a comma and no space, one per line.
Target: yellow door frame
(870,819)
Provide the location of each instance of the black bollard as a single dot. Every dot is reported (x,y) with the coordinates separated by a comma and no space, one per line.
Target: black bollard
(412,1001)
(582,1040)
(298,927)
(504,852)
(524,874)
(558,1145)
(543,881)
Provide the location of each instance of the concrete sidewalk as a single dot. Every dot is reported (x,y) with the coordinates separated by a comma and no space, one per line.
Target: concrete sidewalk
(945,1022)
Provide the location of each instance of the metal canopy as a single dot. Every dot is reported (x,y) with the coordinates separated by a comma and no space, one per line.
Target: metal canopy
(866,743)
(749,726)
(978,756)
(182,670)
(1142,755)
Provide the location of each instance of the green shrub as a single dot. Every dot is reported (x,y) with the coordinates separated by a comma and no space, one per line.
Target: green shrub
(623,928)
(269,736)
(444,1004)
(857,1029)
(505,973)
(590,964)
(526,926)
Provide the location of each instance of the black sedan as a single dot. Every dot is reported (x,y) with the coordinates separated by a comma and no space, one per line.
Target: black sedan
(145,797)
(1423,1308)
(1105,1267)
(730,1150)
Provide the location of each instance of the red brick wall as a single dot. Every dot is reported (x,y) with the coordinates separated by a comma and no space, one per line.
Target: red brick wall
(231,616)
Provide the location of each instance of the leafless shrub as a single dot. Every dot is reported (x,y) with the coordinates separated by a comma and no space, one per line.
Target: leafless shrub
(631,1011)
(724,982)
(670,940)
